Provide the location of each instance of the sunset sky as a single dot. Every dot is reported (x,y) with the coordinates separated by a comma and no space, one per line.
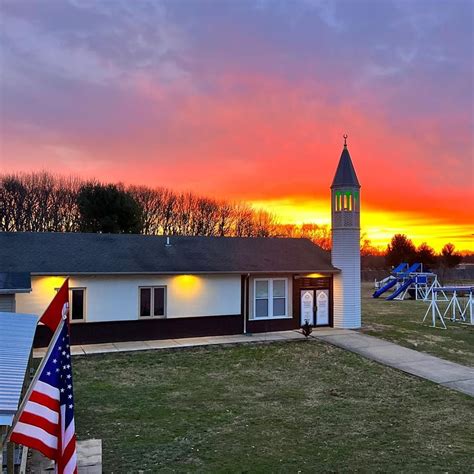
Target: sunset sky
(248,100)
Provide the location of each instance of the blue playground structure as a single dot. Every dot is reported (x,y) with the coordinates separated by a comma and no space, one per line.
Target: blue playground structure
(407,280)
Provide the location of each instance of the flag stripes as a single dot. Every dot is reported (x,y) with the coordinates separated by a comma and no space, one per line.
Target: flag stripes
(39,419)
(46,420)
(35,443)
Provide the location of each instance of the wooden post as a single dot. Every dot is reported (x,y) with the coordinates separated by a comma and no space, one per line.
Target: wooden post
(2,431)
(10,458)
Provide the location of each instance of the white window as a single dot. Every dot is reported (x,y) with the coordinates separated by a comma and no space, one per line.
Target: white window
(152,301)
(270,298)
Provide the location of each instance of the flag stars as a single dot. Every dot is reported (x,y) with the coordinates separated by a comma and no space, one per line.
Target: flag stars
(55,361)
(71,405)
(48,373)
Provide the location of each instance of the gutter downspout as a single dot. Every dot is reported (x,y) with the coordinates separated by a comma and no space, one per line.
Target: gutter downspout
(246,281)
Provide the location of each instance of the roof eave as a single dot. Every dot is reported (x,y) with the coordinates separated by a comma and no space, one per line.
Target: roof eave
(190,272)
(7,291)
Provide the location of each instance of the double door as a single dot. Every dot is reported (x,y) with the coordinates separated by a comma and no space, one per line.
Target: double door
(314,306)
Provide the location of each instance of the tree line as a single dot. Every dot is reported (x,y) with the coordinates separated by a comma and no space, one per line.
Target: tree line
(402,249)
(43,202)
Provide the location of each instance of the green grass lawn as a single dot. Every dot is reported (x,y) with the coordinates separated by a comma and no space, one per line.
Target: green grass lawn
(300,406)
(401,322)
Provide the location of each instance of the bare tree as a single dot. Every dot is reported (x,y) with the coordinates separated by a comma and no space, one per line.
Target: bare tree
(12,198)
(45,202)
(225,219)
(151,202)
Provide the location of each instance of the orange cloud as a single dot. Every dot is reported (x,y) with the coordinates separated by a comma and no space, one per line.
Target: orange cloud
(276,144)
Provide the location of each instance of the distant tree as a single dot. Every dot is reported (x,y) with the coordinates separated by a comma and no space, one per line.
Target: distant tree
(367,249)
(400,249)
(13,195)
(467,256)
(108,209)
(225,219)
(243,221)
(38,202)
(449,258)
(426,255)
(318,234)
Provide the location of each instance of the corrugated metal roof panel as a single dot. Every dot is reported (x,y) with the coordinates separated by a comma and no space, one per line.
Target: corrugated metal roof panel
(16,339)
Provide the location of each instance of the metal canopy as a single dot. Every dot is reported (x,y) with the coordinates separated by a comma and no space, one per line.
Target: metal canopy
(16,340)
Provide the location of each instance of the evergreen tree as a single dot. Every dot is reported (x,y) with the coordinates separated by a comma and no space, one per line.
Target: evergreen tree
(449,258)
(108,209)
(400,249)
(426,255)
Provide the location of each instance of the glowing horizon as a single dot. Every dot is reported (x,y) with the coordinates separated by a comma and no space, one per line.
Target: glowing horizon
(379,235)
(249,100)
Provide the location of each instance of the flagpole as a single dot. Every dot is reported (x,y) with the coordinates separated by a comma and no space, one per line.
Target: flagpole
(33,382)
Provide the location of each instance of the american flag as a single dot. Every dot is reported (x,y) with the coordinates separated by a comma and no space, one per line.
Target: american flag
(46,421)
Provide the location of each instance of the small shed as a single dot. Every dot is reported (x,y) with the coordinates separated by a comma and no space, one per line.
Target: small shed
(10,284)
(16,341)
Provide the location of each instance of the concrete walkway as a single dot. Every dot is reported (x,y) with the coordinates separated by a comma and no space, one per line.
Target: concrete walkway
(449,374)
(86,349)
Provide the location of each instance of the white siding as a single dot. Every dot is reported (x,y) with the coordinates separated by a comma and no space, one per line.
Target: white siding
(115,297)
(346,256)
(7,303)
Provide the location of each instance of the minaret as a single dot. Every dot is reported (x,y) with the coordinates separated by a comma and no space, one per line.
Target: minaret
(345,254)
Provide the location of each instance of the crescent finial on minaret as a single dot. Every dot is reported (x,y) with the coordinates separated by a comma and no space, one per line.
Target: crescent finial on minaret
(345,139)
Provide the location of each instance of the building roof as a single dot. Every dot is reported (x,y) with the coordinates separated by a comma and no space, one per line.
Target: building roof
(345,173)
(15,282)
(74,253)
(16,339)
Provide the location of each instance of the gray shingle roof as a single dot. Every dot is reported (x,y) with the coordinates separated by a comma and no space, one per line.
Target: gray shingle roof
(345,173)
(71,253)
(15,282)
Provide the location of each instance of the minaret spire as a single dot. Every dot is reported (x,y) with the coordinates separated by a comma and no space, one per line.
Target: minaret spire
(345,253)
(345,172)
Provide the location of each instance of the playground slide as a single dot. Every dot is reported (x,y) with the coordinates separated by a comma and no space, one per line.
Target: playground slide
(401,289)
(384,288)
(414,268)
(400,268)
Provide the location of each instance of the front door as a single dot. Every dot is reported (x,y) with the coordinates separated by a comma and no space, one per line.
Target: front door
(322,307)
(307,307)
(314,307)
